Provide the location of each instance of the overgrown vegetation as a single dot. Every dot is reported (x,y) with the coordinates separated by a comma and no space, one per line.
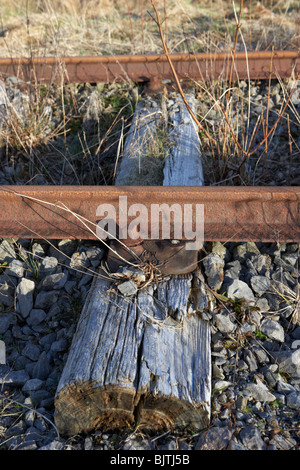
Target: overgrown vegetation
(65,134)
(92,27)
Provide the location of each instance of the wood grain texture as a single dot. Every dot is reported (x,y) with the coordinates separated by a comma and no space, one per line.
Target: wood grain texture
(132,362)
(183,167)
(137,148)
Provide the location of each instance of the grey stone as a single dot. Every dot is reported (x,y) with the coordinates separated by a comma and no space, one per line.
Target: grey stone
(260,284)
(233,445)
(39,396)
(47,266)
(42,367)
(283,443)
(24,294)
(284,387)
(69,286)
(272,329)
(183,445)
(250,360)
(27,445)
(86,278)
(134,273)
(40,424)
(293,400)
(16,268)
(79,261)
(67,246)
(260,354)
(36,317)
(47,340)
(240,290)
(262,304)
(17,429)
(7,252)
(54,281)
(30,417)
(170,445)
(289,362)
(56,444)
(223,323)
(221,385)
(37,251)
(219,249)
(232,271)
(251,438)
(241,402)
(213,266)
(296,333)
(94,253)
(286,266)
(290,258)
(31,351)
(5,322)
(32,385)
(138,444)
(88,443)
(246,251)
(215,438)
(259,391)
(261,263)
(7,291)
(45,299)
(128,288)
(59,345)
(15,378)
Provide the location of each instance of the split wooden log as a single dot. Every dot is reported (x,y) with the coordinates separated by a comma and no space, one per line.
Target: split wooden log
(139,359)
(132,362)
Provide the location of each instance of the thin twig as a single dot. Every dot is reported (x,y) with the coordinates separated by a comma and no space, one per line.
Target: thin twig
(238,25)
(166,51)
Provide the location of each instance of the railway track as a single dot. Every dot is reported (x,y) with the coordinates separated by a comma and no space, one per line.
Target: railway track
(154,68)
(92,391)
(231,213)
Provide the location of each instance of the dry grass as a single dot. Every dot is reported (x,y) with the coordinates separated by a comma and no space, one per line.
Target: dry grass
(90,27)
(65,134)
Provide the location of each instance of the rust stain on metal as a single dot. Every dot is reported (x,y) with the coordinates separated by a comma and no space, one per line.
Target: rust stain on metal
(230,213)
(146,68)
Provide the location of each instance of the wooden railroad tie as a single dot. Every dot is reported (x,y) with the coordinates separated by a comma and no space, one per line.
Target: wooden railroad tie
(141,351)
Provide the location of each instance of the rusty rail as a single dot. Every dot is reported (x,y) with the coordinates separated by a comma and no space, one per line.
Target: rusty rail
(152,68)
(230,213)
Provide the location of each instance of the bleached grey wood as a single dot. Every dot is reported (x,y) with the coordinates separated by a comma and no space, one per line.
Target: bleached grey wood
(138,142)
(144,359)
(132,361)
(183,167)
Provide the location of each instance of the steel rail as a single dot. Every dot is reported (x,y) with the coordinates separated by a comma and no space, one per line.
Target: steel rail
(263,214)
(152,68)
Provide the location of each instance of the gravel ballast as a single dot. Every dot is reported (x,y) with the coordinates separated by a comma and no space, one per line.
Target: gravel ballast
(255,347)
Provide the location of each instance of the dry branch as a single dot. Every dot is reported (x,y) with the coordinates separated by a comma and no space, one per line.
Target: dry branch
(166,51)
